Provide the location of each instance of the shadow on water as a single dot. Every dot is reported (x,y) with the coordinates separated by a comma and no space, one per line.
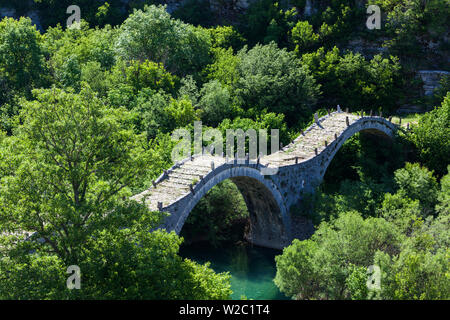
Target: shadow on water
(252,268)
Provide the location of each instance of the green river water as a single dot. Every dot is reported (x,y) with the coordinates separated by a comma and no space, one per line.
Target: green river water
(252,268)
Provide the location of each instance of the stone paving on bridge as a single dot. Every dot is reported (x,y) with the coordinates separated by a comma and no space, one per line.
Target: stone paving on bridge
(305,145)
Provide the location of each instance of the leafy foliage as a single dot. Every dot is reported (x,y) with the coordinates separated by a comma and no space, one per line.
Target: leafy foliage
(216,103)
(322,267)
(62,182)
(66,176)
(420,271)
(21,57)
(353,81)
(86,117)
(267,21)
(418,184)
(412,25)
(432,137)
(272,78)
(152,34)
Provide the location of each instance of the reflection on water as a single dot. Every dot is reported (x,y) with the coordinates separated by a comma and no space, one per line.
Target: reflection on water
(252,268)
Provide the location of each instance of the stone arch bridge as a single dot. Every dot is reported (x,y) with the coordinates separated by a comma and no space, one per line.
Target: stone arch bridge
(300,168)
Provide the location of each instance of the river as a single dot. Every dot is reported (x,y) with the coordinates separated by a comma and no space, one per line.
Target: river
(252,268)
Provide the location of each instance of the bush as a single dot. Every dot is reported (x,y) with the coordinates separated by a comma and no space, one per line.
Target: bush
(417,183)
(432,138)
(323,266)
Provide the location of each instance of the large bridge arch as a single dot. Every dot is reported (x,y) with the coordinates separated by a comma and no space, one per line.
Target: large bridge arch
(269,219)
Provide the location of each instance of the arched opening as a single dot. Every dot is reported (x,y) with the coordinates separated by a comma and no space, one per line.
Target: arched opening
(245,205)
(257,220)
(368,154)
(220,216)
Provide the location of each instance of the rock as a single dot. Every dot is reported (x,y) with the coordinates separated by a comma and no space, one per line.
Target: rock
(431,79)
(409,109)
(308,8)
(34,16)
(7,12)
(366,48)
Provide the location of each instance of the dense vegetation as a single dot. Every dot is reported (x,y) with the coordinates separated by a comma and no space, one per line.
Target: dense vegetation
(87,112)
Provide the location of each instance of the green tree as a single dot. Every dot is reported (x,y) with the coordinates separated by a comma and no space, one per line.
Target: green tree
(421,269)
(431,136)
(265,121)
(181,113)
(74,159)
(401,210)
(140,75)
(70,50)
(224,67)
(101,12)
(144,265)
(22,63)
(32,276)
(412,24)
(444,195)
(273,78)
(152,34)
(226,37)
(216,103)
(415,275)
(303,37)
(337,21)
(417,183)
(189,90)
(67,176)
(357,283)
(160,113)
(296,276)
(266,21)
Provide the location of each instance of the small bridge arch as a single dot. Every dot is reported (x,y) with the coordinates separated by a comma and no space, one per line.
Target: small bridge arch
(380,128)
